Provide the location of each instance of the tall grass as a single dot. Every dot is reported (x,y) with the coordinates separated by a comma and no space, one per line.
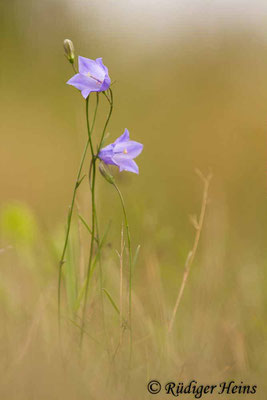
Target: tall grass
(210,341)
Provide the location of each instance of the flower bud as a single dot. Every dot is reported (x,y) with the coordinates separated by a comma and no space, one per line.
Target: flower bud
(106,173)
(69,50)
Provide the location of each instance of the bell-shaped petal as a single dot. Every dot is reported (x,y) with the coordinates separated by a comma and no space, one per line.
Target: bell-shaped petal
(92,77)
(86,92)
(122,152)
(99,61)
(125,163)
(106,84)
(123,138)
(91,67)
(106,154)
(82,82)
(131,149)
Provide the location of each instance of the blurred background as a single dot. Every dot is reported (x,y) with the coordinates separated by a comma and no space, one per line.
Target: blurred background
(191,85)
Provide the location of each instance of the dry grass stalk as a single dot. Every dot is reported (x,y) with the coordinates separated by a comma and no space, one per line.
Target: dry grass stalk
(191,255)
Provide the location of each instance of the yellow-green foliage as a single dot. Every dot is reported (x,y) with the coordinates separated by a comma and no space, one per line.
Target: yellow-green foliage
(18,224)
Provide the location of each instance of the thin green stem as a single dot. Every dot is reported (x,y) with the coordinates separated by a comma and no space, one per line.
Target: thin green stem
(96,108)
(105,94)
(88,126)
(91,252)
(101,282)
(92,186)
(74,68)
(107,120)
(130,260)
(100,267)
(99,259)
(93,163)
(77,183)
(98,243)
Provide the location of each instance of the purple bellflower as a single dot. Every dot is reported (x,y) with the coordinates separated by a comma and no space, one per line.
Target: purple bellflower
(92,77)
(121,153)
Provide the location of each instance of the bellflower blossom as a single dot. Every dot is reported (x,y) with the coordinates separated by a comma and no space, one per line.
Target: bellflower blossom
(121,153)
(92,77)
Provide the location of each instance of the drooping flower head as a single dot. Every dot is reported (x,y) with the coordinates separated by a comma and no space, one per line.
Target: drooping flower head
(92,77)
(121,153)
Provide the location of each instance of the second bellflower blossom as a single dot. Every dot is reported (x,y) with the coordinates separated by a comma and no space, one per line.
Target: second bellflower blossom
(121,153)
(92,77)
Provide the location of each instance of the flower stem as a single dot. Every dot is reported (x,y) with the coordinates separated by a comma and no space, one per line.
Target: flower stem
(100,271)
(91,252)
(96,108)
(93,163)
(107,120)
(130,262)
(92,186)
(77,183)
(74,68)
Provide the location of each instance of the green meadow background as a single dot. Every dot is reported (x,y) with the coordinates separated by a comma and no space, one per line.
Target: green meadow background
(191,85)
